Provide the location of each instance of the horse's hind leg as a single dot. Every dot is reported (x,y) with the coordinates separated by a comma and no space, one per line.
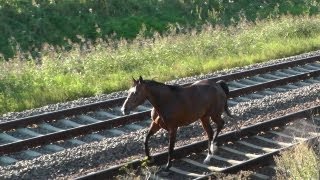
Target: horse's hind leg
(220,123)
(152,130)
(207,127)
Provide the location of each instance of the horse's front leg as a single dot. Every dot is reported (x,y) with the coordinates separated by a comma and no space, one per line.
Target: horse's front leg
(172,139)
(207,127)
(152,130)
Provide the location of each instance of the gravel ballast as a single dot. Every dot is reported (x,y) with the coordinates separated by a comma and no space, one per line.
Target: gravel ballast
(110,151)
(89,157)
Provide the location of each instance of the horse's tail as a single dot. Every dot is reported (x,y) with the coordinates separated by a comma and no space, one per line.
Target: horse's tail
(225,88)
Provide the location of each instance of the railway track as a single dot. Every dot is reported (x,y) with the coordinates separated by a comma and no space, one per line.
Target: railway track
(46,130)
(252,146)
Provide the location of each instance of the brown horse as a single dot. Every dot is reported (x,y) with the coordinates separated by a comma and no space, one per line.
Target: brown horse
(176,106)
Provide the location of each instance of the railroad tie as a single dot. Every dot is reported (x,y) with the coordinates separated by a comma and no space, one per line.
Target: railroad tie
(302,83)
(7,160)
(237,84)
(231,102)
(31,153)
(55,129)
(291,71)
(301,69)
(261,176)
(257,147)
(186,173)
(96,136)
(88,118)
(290,86)
(249,155)
(50,128)
(28,132)
(273,142)
(116,132)
(195,163)
(143,108)
(287,136)
(270,76)
(281,74)
(241,99)
(70,123)
(106,114)
(231,161)
(259,79)
(54,147)
(249,81)
(8,137)
(256,96)
(268,92)
(313,66)
(303,131)
(311,81)
(305,123)
(134,126)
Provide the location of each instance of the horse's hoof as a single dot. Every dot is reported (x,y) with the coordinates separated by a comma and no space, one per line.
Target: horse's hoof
(207,160)
(150,160)
(164,172)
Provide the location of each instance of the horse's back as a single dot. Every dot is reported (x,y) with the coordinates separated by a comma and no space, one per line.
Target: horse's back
(207,87)
(212,94)
(202,98)
(187,104)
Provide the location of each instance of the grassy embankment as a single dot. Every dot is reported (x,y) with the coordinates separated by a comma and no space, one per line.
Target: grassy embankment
(55,31)
(106,67)
(26,25)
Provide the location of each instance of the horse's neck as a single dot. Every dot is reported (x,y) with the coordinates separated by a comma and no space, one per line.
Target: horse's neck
(159,96)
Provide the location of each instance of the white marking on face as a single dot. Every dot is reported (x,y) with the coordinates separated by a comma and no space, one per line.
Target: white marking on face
(133,89)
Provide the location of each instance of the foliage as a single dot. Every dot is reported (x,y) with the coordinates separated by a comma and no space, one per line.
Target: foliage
(28,25)
(107,66)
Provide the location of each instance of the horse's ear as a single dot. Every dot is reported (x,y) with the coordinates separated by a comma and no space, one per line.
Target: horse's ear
(140,79)
(134,81)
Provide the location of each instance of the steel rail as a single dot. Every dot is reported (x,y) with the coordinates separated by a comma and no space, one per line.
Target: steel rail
(197,147)
(139,116)
(50,116)
(85,129)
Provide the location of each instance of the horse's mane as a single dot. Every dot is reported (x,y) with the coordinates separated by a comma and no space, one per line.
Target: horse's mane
(171,87)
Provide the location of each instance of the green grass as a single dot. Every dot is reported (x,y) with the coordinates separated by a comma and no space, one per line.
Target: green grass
(300,162)
(109,65)
(28,25)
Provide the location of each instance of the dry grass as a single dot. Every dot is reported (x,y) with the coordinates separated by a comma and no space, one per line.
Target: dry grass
(300,162)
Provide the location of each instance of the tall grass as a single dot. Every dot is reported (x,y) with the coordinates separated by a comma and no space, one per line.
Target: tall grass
(300,162)
(28,24)
(106,66)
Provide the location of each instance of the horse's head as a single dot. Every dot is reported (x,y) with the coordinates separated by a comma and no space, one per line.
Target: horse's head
(136,96)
